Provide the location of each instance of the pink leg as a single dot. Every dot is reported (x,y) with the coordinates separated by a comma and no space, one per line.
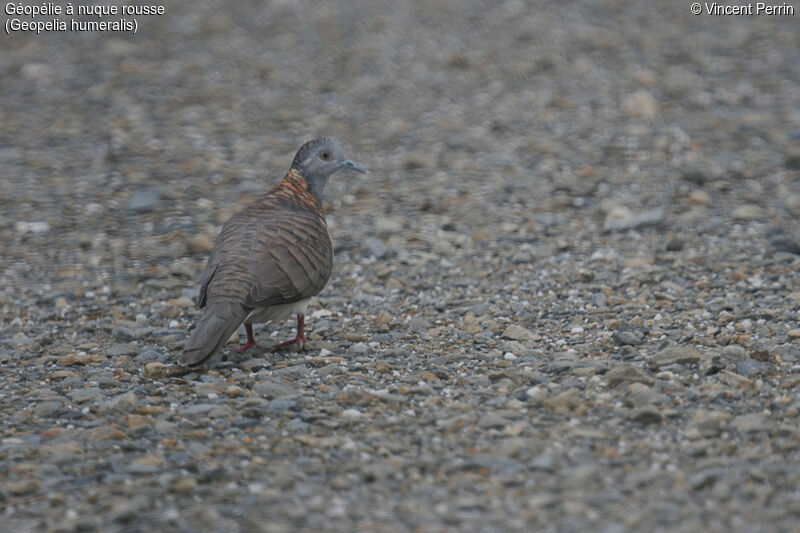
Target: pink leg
(251,340)
(300,340)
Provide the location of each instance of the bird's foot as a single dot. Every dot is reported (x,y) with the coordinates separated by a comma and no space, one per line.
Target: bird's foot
(246,346)
(300,341)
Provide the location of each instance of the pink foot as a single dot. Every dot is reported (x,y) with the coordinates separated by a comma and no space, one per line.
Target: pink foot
(251,340)
(300,340)
(246,347)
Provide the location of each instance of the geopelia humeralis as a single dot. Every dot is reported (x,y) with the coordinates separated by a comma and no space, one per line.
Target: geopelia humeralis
(271,258)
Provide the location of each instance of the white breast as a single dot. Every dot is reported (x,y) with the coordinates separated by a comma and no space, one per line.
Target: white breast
(277,312)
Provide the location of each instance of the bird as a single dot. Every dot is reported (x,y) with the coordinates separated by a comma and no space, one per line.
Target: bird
(271,258)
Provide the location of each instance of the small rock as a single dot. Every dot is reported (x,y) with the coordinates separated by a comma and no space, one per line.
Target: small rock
(618,218)
(682,355)
(705,478)
(121,402)
(197,409)
(748,212)
(183,485)
(751,423)
(123,348)
(35,228)
(155,370)
(90,394)
(628,337)
(749,367)
(143,200)
(374,247)
(149,355)
(417,324)
(359,348)
(518,333)
(646,415)
(707,424)
(699,197)
(123,334)
(733,379)
(565,402)
(675,244)
(23,487)
(200,244)
(711,363)
(271,389)
(641,104)
(351,413)
(280,404)
(626,373)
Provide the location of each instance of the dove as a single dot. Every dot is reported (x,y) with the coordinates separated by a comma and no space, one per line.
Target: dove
(270,259)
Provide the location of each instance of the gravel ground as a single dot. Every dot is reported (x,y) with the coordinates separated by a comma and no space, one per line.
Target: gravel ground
(565,298)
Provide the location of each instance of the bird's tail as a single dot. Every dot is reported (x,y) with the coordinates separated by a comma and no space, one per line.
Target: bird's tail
(214,328)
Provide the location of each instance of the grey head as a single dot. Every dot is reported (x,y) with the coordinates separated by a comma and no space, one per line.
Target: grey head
(317,160)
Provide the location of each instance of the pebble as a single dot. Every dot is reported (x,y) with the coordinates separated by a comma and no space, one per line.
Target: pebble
(155,370)
(89,394)
(683,355)
(625,373)
(645,415)
(641,104)
(519,333)
(628,337)
(143,200)
(37,227)
(374,247)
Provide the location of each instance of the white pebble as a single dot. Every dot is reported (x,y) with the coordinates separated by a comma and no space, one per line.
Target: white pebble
(351,413)
(509,356)
(31,227)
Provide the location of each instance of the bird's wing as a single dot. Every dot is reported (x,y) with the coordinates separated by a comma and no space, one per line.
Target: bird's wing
(291,259)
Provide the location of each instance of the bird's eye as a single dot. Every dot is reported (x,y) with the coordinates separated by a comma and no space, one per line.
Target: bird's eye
(325,155)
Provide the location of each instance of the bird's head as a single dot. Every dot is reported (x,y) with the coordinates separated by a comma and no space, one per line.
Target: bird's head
(317,160)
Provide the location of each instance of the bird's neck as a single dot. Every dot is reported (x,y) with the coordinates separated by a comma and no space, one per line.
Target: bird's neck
(293,188)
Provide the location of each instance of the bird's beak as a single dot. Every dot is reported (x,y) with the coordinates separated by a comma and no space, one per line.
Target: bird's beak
(346,163)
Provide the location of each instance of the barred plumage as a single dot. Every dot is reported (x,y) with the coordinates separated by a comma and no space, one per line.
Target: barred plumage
(271,258)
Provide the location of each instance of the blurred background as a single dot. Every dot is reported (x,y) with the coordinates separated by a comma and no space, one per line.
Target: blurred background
(506,110)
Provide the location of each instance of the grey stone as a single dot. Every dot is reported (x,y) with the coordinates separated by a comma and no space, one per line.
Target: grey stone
(626,373)
(646,415)
(516,332)
(281,404)
(628,337)
(359,348)
(197,409)
(47,408)
(374,247)
(123,348)
(271,389)
(123,334)
(149,355)
(121,402)
(143,200)
(90,394)
(683,355)
(416,325)
(750,367)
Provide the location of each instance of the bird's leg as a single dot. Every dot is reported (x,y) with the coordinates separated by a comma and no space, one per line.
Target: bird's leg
(300,339)
(251,340)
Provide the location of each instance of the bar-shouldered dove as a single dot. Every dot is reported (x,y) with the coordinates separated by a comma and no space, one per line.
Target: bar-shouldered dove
(271,258)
